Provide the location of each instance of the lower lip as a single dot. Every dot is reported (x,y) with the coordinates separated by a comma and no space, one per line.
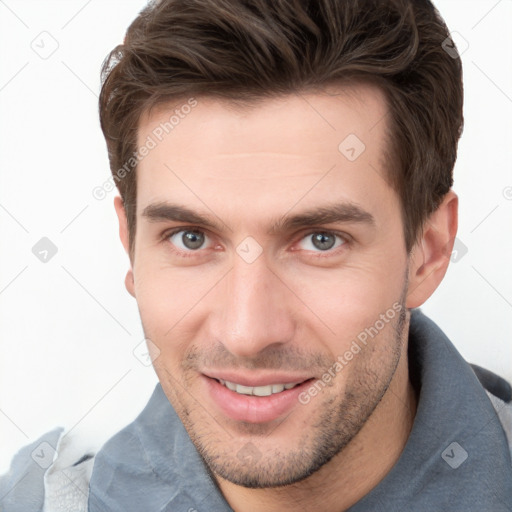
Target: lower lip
(253,409)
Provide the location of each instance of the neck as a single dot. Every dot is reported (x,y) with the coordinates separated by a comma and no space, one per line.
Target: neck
(355,471)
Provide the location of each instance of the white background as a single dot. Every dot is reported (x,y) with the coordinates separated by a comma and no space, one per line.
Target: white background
(68,328)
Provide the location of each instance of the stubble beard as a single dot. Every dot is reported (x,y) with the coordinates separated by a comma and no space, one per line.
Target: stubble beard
(338,422)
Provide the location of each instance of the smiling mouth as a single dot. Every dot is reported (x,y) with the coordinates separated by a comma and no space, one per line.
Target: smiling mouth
(271,399)
(269,389)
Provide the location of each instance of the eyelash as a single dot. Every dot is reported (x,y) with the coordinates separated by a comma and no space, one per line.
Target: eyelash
(320,254)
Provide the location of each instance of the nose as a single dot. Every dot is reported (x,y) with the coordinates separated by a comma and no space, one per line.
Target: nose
(255,311)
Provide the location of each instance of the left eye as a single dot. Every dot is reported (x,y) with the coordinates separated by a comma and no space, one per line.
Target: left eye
(321,241)
(188,239)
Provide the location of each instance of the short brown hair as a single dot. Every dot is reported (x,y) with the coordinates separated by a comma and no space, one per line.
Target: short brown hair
(249,50)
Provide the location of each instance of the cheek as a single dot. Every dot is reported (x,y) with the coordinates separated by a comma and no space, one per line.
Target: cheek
(173,303)
(349,299)
(162,292)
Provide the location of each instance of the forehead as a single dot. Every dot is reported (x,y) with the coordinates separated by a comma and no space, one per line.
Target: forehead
(327,145)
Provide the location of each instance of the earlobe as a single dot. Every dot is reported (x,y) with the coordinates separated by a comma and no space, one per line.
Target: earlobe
(124,236)
(129,282)
(430,256)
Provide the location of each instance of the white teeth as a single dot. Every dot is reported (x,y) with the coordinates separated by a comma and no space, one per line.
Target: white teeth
(262,390)
(277,388)
(244,390)
(230,385)
(267,390)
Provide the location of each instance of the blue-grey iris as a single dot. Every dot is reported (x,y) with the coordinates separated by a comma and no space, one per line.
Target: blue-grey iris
(323,241)
(192,239)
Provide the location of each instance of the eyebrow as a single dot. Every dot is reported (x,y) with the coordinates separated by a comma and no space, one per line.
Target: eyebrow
(162,211)
(339,212)
(329,214)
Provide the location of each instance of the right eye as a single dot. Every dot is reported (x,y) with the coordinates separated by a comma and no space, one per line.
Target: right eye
(188,240)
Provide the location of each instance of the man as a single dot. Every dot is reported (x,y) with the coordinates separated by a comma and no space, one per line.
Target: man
(285,172)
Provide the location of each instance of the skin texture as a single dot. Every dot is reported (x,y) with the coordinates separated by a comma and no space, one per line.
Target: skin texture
(295,308)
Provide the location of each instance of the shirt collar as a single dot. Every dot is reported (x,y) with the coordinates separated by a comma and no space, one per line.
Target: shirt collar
(454,420)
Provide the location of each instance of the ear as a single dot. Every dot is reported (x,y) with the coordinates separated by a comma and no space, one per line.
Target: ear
(431,254)
(125,240)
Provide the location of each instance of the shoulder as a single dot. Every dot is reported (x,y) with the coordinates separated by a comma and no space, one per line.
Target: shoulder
(50,474)
(499,392)
(504,412)
(22,487)
(54,473)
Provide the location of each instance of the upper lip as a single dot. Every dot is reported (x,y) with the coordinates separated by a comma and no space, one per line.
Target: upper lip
(257,380)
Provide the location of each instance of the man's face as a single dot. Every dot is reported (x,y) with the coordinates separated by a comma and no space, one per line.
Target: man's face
(265,252)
